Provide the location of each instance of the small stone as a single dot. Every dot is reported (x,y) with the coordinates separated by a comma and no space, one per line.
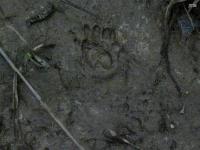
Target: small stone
(172,126)
(192,5)
(187,92)
(182,110)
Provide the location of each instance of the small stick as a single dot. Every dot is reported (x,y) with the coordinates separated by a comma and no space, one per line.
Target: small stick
(2,12)
(195,3)
(190,18)
(15,92)
(67,2)
(170,6)
(15,107)
(9,26)
(38,97)
(17,32)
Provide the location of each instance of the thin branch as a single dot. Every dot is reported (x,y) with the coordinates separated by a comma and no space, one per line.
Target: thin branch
(194,3)
(15,106)
(68,2)
(190,18)
(39,99)
(15,92)
(170,6)
(2,12)
(18,34)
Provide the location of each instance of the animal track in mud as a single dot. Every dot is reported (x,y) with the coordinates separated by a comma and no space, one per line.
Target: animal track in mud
(100,51)
(70,79)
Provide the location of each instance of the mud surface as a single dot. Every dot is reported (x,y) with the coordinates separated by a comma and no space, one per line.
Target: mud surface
(105,75)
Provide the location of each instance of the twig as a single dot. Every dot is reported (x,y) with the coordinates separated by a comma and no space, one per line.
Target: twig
(38,97)
(170,6)
(15,106)
(190,18)
(195,3)
(9,26)
(67,2)
(18,34)
(15,92)
(164,52)
(2,12)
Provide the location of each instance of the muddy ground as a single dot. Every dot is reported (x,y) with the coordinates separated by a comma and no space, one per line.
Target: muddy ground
(102,74)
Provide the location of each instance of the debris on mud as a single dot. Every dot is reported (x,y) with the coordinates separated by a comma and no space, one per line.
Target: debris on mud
(41,14)
(117,75)
(186,26)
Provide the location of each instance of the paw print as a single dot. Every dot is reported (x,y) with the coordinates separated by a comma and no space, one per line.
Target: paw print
(100,51)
